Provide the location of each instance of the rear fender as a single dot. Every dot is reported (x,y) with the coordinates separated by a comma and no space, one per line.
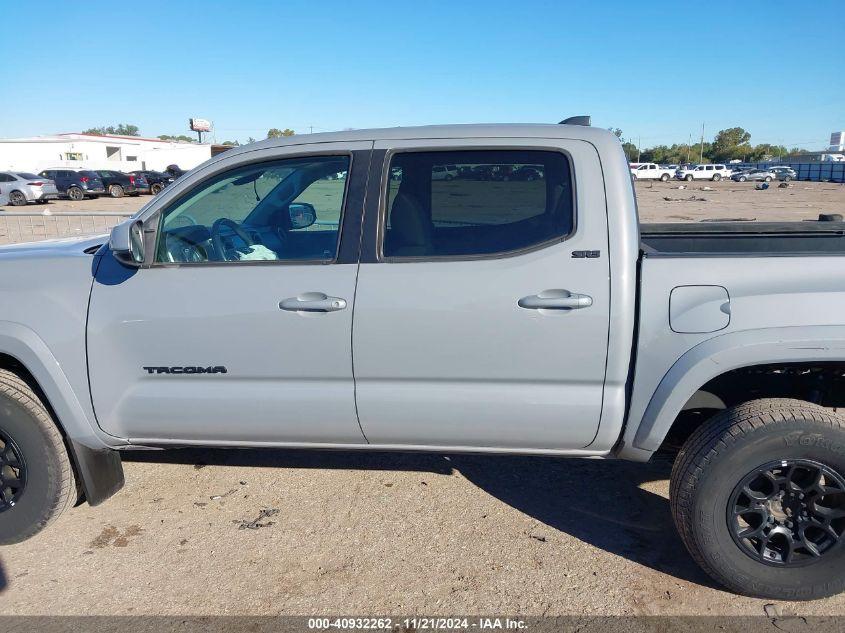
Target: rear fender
(716,356)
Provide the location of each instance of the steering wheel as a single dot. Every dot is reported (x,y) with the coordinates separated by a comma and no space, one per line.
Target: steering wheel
(217,238)
(178,249)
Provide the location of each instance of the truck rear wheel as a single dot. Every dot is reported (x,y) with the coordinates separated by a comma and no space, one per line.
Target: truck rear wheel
(758,496)
(664,178)
(37,482)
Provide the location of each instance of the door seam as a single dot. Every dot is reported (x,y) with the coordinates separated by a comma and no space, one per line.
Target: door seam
(355,294)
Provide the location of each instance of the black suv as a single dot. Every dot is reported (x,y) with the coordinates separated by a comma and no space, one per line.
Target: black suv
(76,184)
(156,179)
(117,183)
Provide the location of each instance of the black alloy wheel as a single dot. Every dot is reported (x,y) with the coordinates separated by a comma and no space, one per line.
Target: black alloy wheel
(12,472)
(788,512)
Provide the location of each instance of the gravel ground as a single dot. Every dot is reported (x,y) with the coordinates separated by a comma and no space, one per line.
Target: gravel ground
(280,532)
(694,201)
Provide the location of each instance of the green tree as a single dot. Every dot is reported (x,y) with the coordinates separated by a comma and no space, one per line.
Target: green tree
(122,129)
(729,144)
(764,151)
(180,137)
(277,133)
(232,143)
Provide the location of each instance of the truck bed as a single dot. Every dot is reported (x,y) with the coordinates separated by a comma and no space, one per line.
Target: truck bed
(743,238)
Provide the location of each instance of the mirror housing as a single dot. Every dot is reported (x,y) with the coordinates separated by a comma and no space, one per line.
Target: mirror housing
(302,215)
(126,242)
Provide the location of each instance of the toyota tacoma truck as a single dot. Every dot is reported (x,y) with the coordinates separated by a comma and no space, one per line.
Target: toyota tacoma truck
(330,292)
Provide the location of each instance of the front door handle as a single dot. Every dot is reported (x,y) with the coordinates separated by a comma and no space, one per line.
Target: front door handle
(312,302)
(556,300)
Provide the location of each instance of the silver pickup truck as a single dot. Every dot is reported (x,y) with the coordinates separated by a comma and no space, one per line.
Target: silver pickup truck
(333,291)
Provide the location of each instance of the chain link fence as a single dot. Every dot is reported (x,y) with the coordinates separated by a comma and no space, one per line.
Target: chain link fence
(18,227)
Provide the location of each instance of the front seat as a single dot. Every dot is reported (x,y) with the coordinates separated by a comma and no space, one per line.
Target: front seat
(411,229)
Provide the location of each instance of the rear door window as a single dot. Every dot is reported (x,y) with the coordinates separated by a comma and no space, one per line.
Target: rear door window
(498,201)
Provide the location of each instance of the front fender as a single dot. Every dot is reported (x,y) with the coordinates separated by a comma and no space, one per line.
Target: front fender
(25,346)
(716,356)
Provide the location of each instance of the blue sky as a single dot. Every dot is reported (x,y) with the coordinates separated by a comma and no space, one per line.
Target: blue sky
(657,72)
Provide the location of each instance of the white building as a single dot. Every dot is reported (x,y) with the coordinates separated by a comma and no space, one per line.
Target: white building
(88,151)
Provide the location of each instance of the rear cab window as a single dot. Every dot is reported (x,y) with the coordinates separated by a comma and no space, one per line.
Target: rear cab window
(498,202)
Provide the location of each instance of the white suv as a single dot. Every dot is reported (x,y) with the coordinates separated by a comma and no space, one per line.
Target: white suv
(703,172)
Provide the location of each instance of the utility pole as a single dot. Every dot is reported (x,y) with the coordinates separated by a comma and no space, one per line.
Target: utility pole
(639,147)
(689,147)
(310,129)
(701,153)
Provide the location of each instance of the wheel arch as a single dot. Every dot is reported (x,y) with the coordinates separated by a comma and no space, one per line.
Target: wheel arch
(699,366)
(97,465)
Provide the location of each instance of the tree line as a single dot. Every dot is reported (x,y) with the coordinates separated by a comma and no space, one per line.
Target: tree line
(128,129)
(731,144)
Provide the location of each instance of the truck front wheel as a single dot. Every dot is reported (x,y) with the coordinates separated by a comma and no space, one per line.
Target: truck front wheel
(37,482)
(758,496)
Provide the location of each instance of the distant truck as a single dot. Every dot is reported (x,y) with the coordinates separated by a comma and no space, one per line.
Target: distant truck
(489,317)
(651,171)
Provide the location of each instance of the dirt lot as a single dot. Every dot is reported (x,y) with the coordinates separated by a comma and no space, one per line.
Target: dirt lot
(727,200)
(279,532)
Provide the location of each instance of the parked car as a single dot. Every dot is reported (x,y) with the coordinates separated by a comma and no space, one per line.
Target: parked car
(157,180)
(527,173)
(444,172)
(515,334)
(754,175)
(142,185)
(117,183)
(76,184)
(703,172)
(23,187)
(651,171)
(784,173)
(174,171)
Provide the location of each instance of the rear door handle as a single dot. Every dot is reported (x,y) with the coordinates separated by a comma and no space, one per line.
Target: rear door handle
(556,300)
(312,302)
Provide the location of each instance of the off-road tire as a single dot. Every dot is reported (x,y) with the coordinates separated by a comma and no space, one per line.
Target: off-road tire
(76,194)
(116,191)
(17,198)
(664,178)
(717,177)
(718,456)
(156,188)
(688,177)
(49,483)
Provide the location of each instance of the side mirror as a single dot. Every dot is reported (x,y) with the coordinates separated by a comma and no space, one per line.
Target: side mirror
(302,215)
(126,243)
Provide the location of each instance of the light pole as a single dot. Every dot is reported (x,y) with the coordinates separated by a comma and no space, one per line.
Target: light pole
(701,153)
